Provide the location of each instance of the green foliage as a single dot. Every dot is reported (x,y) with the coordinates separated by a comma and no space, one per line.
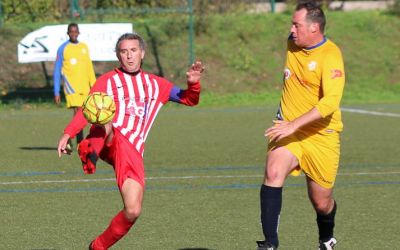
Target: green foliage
(395,9)
(23,11)
(104,4)
(242,52)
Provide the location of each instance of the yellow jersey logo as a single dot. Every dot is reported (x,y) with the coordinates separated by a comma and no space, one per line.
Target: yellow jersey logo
(286,73)
(312,65)
(336,73)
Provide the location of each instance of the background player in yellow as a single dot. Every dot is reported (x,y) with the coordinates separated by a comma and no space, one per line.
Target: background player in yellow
(74,67)
(305,134)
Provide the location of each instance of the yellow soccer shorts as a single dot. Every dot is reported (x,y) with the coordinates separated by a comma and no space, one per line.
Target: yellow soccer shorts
(317,153)
(75,100)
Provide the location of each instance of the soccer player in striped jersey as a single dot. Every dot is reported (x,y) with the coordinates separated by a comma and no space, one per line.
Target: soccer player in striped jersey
(74,68)
(138,96)
(306,133)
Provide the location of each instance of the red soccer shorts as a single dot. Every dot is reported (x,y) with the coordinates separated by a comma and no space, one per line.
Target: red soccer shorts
(124,158)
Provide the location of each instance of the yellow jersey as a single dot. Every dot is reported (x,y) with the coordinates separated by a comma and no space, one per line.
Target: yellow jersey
(74,67)
(313,77)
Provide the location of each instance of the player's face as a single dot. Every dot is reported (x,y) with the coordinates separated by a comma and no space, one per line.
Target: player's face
(130,55)
(73,33)
(301,29)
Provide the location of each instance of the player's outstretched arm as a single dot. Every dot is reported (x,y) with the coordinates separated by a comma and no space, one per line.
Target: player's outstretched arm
(62,145)
(194,72)
(191,95)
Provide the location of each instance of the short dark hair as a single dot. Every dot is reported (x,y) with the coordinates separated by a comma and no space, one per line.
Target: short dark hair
(314,13)
(72,25)
(130,36)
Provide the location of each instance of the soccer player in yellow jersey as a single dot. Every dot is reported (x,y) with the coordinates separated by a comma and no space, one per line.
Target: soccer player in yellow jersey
(305,134)
(74,67)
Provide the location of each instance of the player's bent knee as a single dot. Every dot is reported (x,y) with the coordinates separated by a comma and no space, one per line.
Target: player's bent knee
(132,195)
(274,177)
(323,207)
(133,213)
(272,174)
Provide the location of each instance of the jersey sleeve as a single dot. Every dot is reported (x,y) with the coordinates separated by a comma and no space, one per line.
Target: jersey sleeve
(165,88)
(76,124)
(189,97)
(57,70)
(333,79)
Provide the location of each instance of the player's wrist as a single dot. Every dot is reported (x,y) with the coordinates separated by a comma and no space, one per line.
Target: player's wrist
(191,83)
(295,125)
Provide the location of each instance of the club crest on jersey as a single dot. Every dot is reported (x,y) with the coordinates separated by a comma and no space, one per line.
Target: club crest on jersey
(286,73)
(312,65)
(136,107)
(336,73)
(73,61)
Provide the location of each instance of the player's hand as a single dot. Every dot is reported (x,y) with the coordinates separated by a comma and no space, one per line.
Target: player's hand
(63,147)
(281,129)
(57,99)
(194,73)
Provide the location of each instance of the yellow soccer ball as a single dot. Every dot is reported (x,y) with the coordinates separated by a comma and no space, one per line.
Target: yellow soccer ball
(98,108)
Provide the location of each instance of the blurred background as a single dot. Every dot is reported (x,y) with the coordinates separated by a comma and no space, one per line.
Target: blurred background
(242,43)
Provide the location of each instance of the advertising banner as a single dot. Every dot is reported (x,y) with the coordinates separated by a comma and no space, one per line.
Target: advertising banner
(41,45)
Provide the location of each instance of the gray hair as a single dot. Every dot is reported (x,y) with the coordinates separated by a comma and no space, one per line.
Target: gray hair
(130,36)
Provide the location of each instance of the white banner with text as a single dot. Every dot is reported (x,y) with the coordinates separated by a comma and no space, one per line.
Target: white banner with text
(41,45)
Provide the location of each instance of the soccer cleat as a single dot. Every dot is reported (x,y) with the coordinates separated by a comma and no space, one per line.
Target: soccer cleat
(262,245)
(88,156)
(327,245)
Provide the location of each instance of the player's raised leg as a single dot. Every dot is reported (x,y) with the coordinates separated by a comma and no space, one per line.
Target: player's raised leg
(279,164)
(325,207)
(89,149)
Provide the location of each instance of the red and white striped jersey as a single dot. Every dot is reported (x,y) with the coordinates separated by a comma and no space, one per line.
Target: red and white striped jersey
(138,98)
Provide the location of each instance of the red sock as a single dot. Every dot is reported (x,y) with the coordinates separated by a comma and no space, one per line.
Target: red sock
(118,227)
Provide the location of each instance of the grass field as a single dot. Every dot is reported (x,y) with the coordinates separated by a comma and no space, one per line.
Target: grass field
(204,169)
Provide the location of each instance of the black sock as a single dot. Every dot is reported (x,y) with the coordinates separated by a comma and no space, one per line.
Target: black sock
(79,137)
(271,204)
(326,223)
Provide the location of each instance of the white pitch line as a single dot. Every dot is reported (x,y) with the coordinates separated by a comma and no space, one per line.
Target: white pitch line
(112,179)
(177,178)
(57,181)
(202,177)
(370,173)
(362,111)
